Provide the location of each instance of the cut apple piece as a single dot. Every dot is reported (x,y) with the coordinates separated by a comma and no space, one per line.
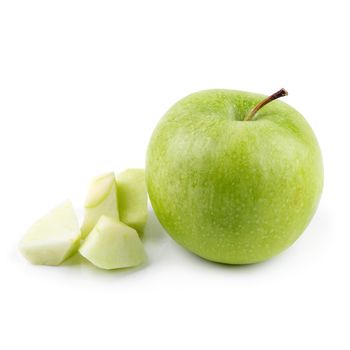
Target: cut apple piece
(53,238)
(101,200)
(112,245)
(132,198)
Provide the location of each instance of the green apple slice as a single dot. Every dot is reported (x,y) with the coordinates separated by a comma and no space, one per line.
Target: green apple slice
(112,245)
(132,198)
(101,200)
(53,238)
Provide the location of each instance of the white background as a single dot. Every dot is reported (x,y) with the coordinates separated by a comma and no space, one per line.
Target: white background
(82,85)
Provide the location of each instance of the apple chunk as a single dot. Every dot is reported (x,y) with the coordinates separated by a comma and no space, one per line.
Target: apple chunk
(53,238)
(132,198)
(101,200)
(112,244)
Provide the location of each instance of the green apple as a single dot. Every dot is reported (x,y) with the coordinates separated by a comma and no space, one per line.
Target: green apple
(233,180)
(53,238)
(132,198)
(112,244)
(101,200)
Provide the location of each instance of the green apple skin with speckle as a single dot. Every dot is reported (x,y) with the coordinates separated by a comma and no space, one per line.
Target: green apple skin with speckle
(229,190)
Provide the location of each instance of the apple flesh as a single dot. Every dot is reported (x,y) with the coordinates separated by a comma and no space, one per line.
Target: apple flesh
(112,245)
(101,200)
(53,238)
(132,198)
(232,183)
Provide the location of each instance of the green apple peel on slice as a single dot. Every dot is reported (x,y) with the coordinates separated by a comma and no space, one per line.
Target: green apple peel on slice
(53,238)
(112,245)
(132,198)
(101,200)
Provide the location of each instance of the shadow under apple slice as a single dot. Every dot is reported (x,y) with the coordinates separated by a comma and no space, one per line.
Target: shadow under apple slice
(154,238)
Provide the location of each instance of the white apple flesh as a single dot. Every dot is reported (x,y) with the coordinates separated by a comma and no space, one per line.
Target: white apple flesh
(112,245)
(53,238)
(101,200)
(132,198)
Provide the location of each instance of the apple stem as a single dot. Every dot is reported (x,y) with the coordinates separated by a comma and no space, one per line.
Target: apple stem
(278,94)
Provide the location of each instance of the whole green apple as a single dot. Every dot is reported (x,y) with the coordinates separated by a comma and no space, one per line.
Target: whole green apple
(232,176)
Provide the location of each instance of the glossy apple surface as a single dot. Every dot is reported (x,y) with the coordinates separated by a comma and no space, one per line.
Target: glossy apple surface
(230,190)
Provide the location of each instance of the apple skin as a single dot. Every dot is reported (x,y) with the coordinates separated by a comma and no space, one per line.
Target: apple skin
(229,190)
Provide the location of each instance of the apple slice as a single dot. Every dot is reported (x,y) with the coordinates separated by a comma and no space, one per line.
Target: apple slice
(112,245)
(101,200)
(53,238)
(132,198)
